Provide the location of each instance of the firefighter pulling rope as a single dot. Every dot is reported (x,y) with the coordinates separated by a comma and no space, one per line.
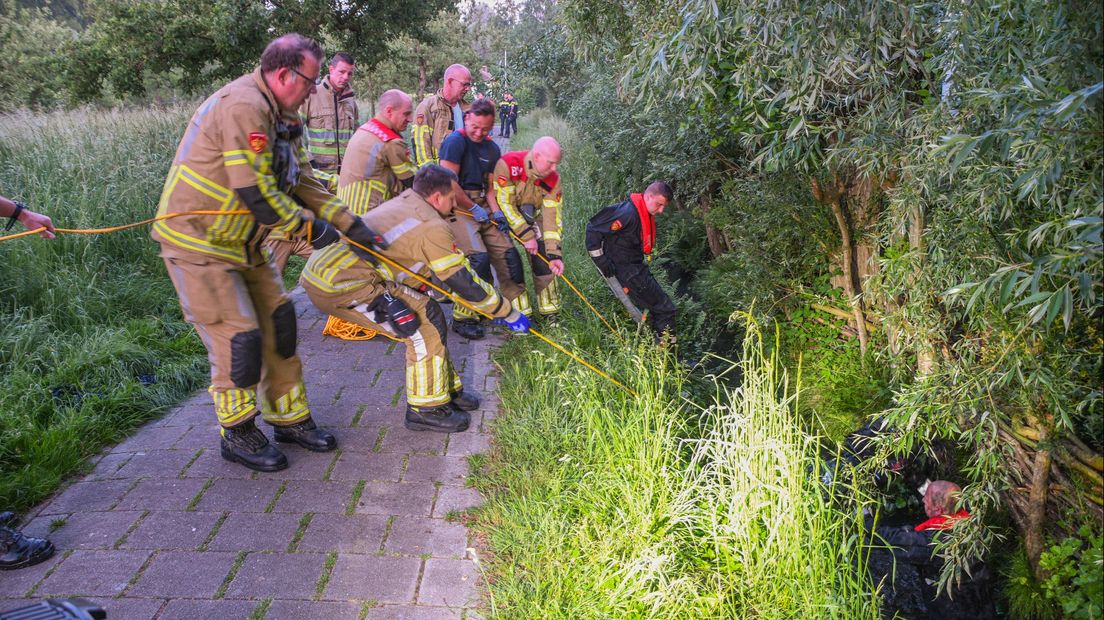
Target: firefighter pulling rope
(456,299)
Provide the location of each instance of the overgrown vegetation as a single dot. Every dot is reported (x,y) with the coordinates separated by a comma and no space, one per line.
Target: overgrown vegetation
(92,342)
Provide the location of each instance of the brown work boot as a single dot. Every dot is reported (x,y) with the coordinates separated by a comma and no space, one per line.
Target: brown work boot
(19,551)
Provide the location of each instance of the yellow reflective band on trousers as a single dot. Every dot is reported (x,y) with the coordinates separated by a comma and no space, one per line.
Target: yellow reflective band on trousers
(460,312)
(422,138)
(363,196)
(326,266)
(521,304)
(548,300)
(234,406)
(289,408)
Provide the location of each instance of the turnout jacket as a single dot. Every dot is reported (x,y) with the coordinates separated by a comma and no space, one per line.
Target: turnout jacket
(377,166)
(420,240)
(516,184)
(238,154)
(330,119)
(621,234)
(433,122)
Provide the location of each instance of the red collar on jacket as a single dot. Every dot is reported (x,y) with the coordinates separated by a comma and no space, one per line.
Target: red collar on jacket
(515,161)
(647,222)
(942,522)
(381,131)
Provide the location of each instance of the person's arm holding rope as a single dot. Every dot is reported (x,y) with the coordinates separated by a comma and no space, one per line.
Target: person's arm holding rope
(18,212)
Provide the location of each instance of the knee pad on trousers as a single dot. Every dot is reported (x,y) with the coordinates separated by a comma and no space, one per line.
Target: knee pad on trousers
(513,263)
(436,317)
(540,268)
(283,323)
(481,265)
(245,358)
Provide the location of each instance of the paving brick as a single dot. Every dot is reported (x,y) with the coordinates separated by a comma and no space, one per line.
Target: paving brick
(344,533)
(364,577)
(361,466)
(161,494)
(197,410)
(19,582)
(287,575)
(239,495)
(313,610)
(468,443)
(156,464)
(455,499)
(422,535)
(93,530)
(151,438)
(255,531)
(93,573)
(8,604)
(363,438)
(402,441)
(210,464)
(340,414)
(302,496)
(130,608)
(411,612)
(452,583)
(199,436)
(97,495)
(172,530)
(182,609)
(444,469)
(383,413)
(184,574)
(106,467)
(404,498)
(302,464)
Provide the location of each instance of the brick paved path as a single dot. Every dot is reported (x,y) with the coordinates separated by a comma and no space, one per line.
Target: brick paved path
(164,528)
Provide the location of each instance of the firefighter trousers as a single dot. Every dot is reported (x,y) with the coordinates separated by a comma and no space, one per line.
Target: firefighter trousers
(281,251)
(487,248)
(430,376)
(246,321)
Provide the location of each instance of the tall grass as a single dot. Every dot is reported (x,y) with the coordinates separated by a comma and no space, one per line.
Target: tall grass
(604,505)
(92,341)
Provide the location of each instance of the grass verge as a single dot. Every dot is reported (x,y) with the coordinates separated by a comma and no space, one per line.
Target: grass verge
(92,342)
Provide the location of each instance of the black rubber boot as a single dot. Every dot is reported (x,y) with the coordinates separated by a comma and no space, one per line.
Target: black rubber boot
(306,434)
(441,419)
(465,401)
(468,328)
(18,551)
(246,444)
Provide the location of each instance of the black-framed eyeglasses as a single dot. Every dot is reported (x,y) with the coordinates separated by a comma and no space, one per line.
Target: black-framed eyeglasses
(317,81)
(464,84)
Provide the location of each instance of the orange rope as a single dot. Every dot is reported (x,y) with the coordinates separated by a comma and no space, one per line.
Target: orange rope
(347,330)
(99,231)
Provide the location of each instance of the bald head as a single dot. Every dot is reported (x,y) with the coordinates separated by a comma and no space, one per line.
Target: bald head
(394,109)
(457,83)
(941,498)
(546,154)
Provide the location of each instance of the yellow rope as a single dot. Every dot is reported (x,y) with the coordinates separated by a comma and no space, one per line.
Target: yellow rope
(455,298)
(347,330)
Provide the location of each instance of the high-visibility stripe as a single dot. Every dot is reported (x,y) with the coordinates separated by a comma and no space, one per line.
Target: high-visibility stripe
(233,406)
(289,408)
(447,262)
(400,229)
(548,300)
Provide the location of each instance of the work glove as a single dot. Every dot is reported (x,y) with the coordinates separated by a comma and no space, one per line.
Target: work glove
(361,234)
(322,234)
(479,214)
(604,265)
(500,221)
(516,321)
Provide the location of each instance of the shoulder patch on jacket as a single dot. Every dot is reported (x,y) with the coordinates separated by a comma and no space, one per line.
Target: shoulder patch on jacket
(616,225)
(257,141)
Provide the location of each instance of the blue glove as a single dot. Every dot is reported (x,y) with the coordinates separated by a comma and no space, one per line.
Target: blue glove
(500,221)
(516,321)
(479,214)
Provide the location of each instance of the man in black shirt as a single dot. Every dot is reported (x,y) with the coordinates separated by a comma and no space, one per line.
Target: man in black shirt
(618,238)
(472,156)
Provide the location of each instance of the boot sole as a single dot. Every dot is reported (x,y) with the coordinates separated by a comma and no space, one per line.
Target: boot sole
(280,439)
(421,426)
(37,558)
(233,458)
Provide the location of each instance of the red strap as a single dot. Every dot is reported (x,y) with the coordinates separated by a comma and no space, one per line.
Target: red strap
(647,222)
(381,131)
(942,522)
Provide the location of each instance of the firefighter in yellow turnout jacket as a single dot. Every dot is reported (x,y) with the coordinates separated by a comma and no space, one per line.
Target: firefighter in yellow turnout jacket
(439,115)
(377,165)
(527,201)
(347,282)
(242,151)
